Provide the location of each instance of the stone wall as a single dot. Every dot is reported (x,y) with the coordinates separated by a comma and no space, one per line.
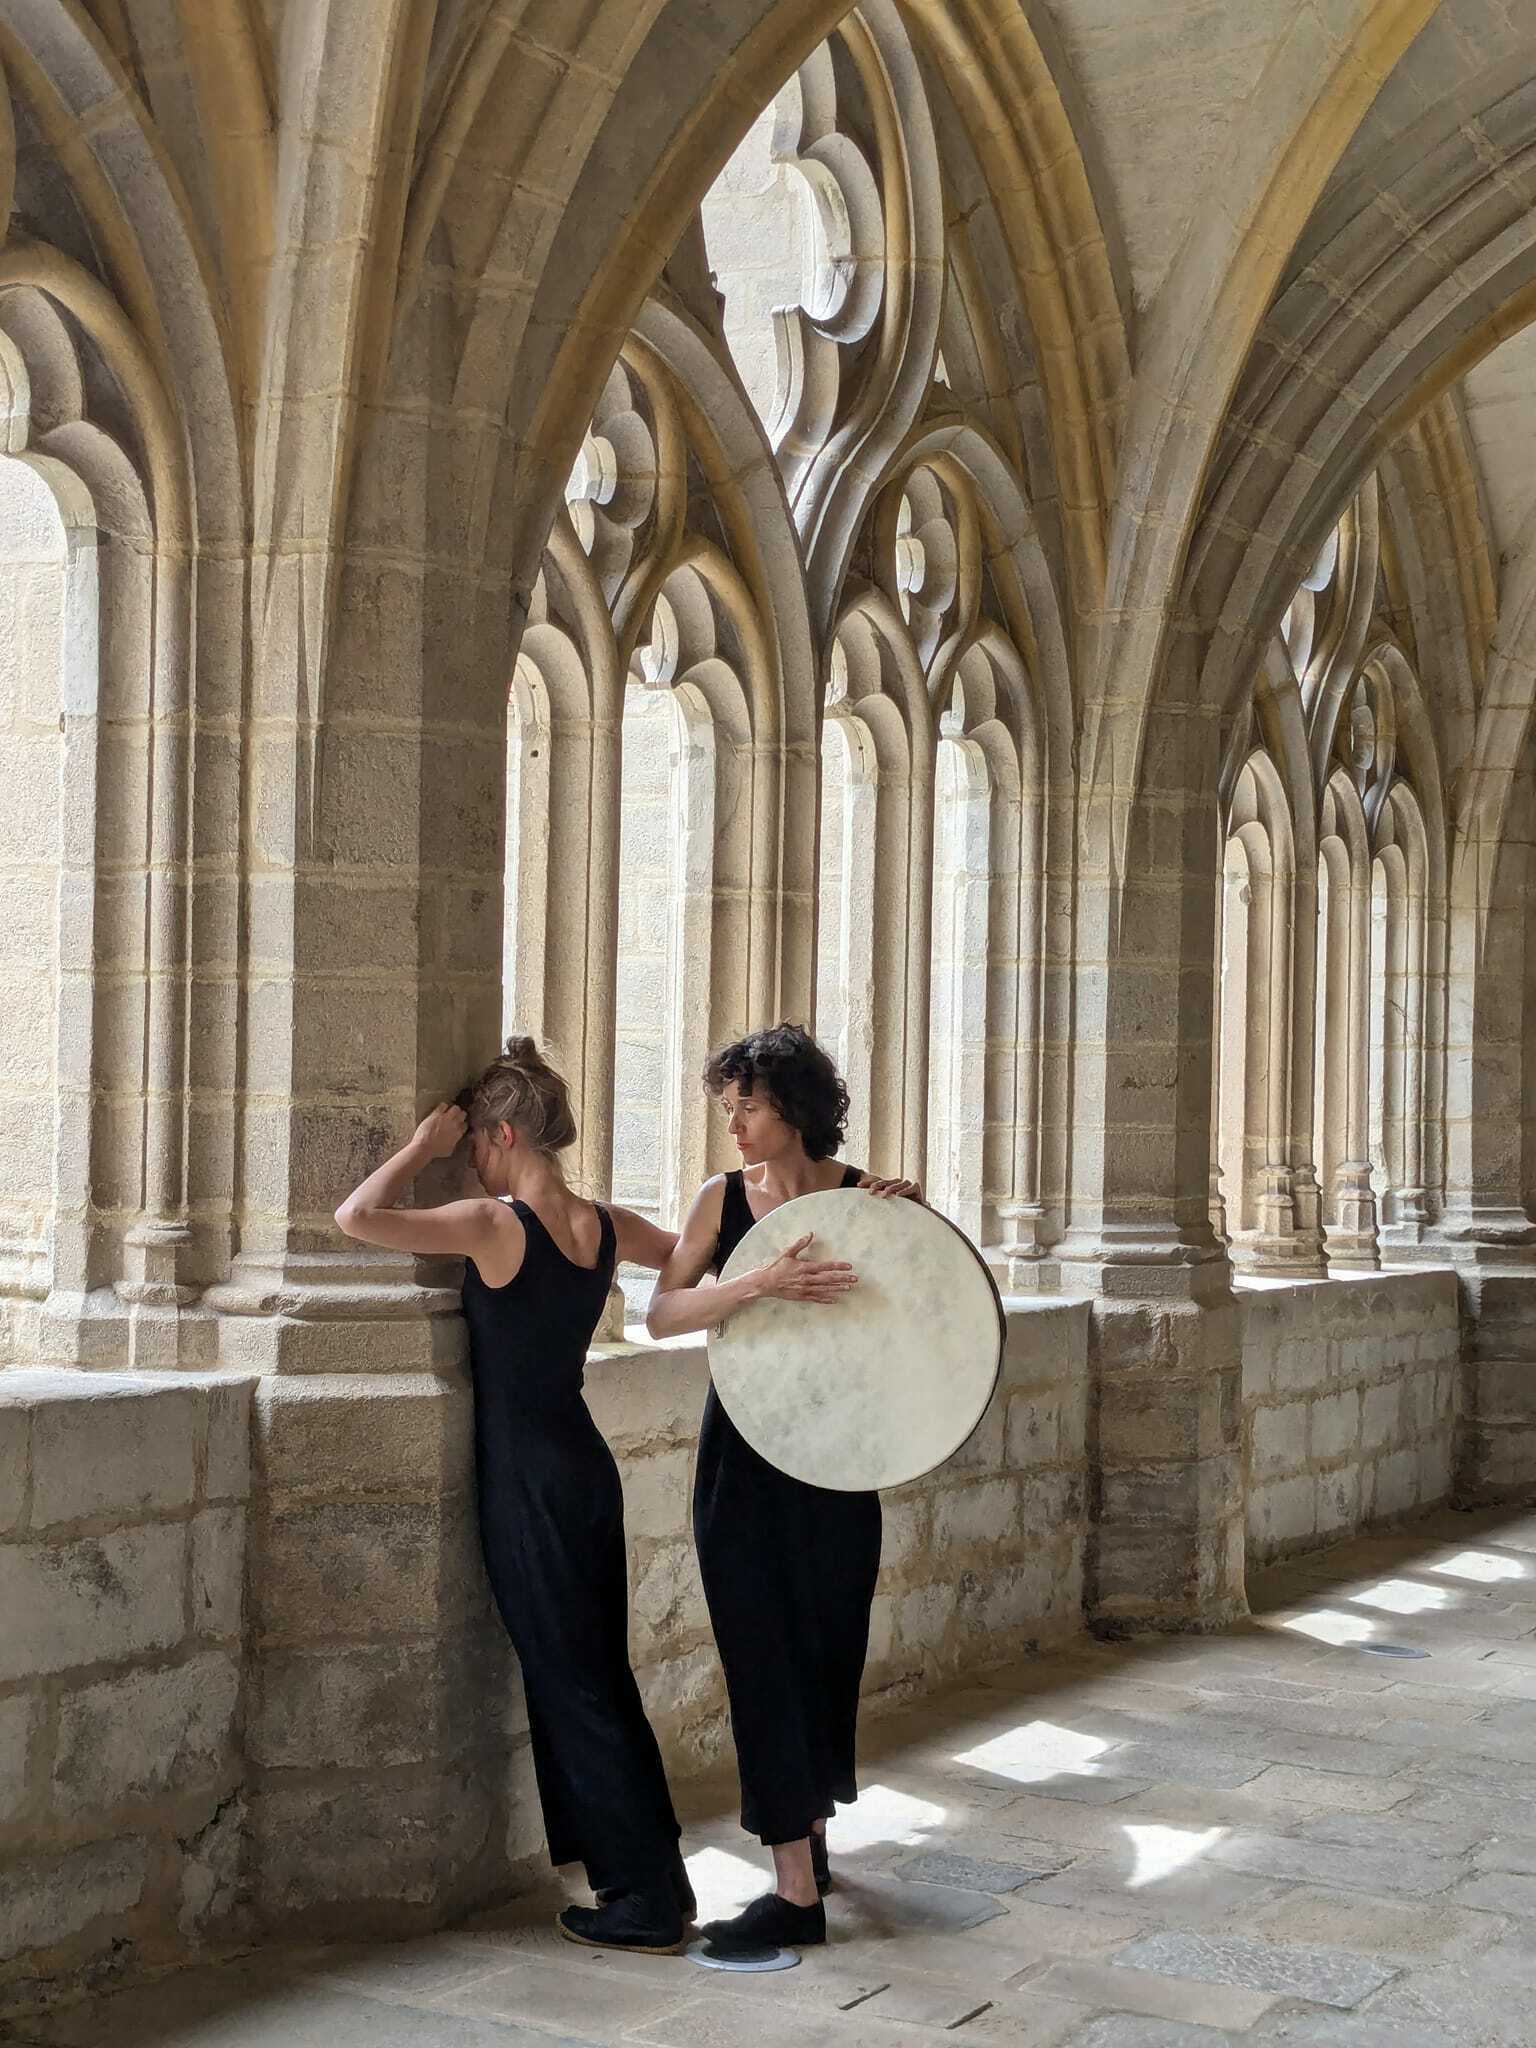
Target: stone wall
(122,1562)
(1350,1393)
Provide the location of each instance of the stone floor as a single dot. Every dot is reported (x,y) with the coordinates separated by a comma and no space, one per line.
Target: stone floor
(1291,1833)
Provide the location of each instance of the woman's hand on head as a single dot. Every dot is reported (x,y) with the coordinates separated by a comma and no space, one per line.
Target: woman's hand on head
(906,1190)
(441,1131)
(793,1277)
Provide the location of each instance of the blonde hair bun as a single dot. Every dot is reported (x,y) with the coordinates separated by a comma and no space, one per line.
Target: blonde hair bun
(522,1089)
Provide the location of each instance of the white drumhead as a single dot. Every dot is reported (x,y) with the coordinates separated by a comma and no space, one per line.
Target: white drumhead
(882,1386)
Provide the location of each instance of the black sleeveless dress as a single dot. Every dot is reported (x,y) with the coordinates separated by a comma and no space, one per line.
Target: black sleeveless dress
(552,1528)
(789,1574)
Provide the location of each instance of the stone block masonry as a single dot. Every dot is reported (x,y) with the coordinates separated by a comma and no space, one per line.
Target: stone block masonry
(122,1563)
(1350,1394)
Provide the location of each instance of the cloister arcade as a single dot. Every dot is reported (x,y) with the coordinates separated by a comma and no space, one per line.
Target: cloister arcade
(1001,529)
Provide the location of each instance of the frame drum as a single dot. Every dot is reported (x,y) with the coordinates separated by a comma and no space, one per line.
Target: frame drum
(882,1386)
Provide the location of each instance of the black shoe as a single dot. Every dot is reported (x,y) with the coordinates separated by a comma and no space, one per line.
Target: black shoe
(682,1890)
(820,1867)
(769,1922)
(648,1922)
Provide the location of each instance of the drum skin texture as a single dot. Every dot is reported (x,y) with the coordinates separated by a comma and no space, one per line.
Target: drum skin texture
(882,1386)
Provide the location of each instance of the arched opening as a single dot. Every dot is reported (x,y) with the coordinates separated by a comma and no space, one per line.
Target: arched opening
(1342,1053)
(845,1018)
(525,928)
(47,667)
(958,986)
(1399,1020)
(1254,1161)
(1232,1090)
(653,881)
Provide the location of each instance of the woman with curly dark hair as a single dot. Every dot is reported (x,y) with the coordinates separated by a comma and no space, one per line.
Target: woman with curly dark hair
(789,1569)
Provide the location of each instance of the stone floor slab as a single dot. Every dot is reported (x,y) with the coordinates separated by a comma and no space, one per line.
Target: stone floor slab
(1322,1976)
(1107,1987)
(543,1995)
(1119,2030)
(1391,1930)
(974,1873)
(1467,2006)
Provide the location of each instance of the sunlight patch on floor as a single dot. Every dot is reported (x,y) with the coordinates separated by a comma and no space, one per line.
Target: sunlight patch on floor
(1481,1565)
(1405,1596)
(1035,1753)
(1327,1625)
(883,1815)
(724,1883)
(1160,1851)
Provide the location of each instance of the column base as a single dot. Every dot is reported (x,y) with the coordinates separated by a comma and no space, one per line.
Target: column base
(322,1312)
(101,1331)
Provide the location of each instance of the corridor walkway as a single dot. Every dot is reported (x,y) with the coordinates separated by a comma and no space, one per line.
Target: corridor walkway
(1320,1828)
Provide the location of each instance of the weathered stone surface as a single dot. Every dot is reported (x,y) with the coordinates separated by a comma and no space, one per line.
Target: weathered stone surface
(227,1467)
(212,1887)
(46,1899)
(338,1435)
(144,1733)
(218,1540)
(395,1842)
(972,1873)
(1122,2030)
(377,1706)
(1098,1985)
(1323,1976)
(105,1445)
(349,1568)
(18,1719)
(90,1601)
(15,1461)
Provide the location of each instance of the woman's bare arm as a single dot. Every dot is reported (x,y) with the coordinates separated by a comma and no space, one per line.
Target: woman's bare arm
(371,1213)
(683,1303)
(641,1243)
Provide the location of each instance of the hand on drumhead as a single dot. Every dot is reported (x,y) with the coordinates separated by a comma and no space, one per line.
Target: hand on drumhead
(792,1277)
(906,1190)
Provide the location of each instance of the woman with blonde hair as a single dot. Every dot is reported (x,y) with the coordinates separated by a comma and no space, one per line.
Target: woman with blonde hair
(539,1262)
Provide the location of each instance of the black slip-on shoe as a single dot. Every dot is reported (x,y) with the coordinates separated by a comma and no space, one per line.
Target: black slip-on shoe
(682,1890)
(647,1922)
(769,1922)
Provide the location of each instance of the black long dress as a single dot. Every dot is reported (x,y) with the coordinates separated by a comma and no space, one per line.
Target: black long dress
(552,1528)
(789,1574)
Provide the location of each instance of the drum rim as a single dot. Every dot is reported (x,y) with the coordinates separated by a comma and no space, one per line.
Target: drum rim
(890,1485)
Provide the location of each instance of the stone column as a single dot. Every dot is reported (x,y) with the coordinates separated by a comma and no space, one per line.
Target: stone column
(389,1780)
(1167,1549)
(1485,1228)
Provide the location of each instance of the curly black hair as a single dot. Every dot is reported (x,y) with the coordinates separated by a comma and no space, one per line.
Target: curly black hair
(787,1065)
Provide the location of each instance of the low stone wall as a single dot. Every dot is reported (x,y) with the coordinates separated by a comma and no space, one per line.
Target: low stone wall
(212,1729)
(1350,1397)
(313,1721)
(122,1565)
(982,1561)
